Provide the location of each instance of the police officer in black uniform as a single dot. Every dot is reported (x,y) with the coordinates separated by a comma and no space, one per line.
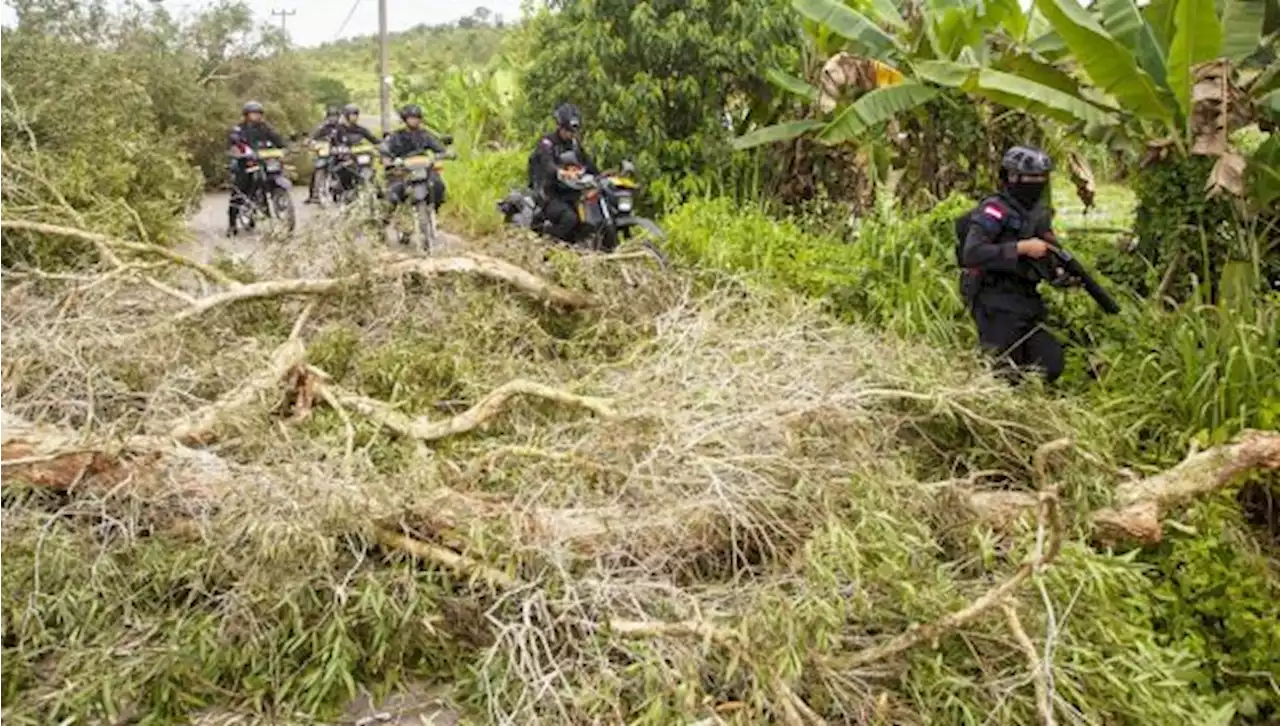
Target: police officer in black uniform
(1003,244)
(326,129)
(411,140)
(557,202)
(245,139)
(349,132)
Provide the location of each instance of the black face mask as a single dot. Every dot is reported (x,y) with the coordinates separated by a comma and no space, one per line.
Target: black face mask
(1026,193)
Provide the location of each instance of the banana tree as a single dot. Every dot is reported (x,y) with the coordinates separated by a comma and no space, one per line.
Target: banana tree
(872,82)
(1184,73)
(886,60)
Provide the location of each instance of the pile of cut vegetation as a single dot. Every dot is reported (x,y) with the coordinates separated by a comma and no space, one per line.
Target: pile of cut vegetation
(564,488)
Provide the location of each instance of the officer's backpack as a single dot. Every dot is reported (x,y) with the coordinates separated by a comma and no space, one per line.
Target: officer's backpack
(962,231)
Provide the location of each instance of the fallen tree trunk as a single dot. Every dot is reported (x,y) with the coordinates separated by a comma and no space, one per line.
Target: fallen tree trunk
(486,267)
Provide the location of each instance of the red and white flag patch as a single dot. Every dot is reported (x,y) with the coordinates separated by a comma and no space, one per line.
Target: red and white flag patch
(992,210)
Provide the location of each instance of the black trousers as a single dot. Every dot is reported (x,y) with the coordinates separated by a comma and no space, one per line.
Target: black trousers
(1017,337)
(563,219)
(241,189)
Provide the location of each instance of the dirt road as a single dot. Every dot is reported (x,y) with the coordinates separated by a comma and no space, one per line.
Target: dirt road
(208,227)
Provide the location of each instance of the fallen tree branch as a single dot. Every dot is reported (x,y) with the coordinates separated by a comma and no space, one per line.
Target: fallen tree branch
(1044,703)
(479,265)
(104,241)
(426,429)
(1047,515)
(1141,504)
(444,557)
(198,426)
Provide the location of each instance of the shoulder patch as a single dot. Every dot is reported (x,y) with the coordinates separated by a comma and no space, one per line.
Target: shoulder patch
(546,142)
(993,211)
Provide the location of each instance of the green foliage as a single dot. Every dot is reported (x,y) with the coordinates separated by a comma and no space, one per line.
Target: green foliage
(665,84)
(165,628)
(105,113)
(1213,599)
(1174,228)
(419,58)
(896,274)
(476,184)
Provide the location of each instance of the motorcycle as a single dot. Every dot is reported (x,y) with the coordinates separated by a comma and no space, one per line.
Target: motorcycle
(353,170)
(269,194)
(605,210)
(418,173)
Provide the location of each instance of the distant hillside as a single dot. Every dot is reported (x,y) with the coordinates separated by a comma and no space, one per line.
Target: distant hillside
(347,70)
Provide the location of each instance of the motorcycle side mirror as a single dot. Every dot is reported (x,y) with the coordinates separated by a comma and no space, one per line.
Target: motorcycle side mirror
(447,139)
(628,167)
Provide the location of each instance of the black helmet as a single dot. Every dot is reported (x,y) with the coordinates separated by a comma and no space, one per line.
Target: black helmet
(1025,160)
(411,110)
(350,110)
(252,107)
(331,111)
(567,116)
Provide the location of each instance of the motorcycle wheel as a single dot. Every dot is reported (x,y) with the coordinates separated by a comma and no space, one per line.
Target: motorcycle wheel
(606,240)
(648,235)
(282,210)
(426,216)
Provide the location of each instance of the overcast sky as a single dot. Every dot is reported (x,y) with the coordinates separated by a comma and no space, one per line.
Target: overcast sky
(318,21)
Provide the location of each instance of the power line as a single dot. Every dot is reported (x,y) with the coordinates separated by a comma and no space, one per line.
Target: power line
(284,17)
(350,13)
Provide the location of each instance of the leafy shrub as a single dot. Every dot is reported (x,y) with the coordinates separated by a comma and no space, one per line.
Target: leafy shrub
(658,81)
(1213,598)
(897,274)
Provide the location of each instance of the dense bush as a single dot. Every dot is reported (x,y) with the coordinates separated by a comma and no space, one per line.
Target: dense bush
(114,110)
(657,80)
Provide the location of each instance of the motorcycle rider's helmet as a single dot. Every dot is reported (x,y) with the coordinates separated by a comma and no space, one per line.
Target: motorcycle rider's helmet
(332,112)
(410,110)
(252,107)
(568,117)
(350,110)
(1024,173)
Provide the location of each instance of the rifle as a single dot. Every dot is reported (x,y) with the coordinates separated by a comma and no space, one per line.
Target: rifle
(1064,270)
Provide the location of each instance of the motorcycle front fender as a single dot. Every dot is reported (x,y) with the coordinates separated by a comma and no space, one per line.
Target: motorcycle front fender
(421,191)
(642,222)
(283,182)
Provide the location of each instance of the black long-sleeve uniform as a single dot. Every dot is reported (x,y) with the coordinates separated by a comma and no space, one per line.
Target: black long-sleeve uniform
(1000,287)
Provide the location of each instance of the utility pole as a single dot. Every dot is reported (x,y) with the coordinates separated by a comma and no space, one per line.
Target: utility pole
(284,16)
(384,68)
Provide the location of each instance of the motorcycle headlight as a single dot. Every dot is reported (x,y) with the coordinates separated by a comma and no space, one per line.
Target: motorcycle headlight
(364,159)
(273,165)
(624,204)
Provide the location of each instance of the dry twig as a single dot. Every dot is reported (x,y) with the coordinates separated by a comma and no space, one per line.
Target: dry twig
(1038,671)
(426,429)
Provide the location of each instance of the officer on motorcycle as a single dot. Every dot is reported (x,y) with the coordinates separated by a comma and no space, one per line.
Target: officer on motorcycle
(244,140)
(411,140)
(557,202)
(999,240)
(324,132)
(349,132)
